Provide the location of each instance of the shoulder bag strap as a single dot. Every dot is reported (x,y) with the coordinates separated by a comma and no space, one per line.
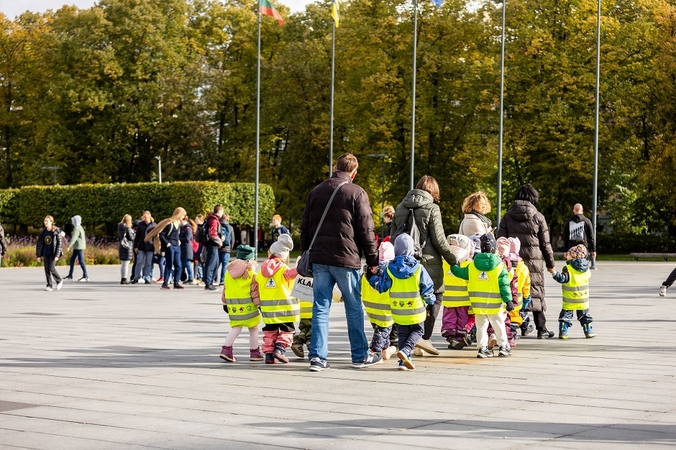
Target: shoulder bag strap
(321,221)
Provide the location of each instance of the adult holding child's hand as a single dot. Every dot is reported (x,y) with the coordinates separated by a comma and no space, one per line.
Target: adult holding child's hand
(525,222)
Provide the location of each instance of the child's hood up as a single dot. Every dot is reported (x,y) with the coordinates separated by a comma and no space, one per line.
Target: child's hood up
(239,267)
(404,264)
(271,266)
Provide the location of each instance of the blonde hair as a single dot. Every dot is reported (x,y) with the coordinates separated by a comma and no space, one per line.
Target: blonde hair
(428,184)
(470,203)
(278,217)
(126,220)
(52,220)
(388,212)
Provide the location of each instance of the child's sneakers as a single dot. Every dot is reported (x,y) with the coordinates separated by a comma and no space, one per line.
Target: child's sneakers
(402,366)
(455,344)
(280,354)
(297,349)
(492,340)
(505,351)
(427,346)
(485,352)
(663,291)
(269,358)
(563,330)
(406,359)
(226,354)
(255,354)
(388,352)
(588,331)
(526,329)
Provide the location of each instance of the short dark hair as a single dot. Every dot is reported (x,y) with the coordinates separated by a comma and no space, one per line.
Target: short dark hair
(346,162)
(529,193)
(218,208)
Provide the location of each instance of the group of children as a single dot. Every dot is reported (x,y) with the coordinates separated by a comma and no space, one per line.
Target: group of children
(485,301)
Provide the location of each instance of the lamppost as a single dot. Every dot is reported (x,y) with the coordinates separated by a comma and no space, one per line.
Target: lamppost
(52,168)
(382,188)
(159,168)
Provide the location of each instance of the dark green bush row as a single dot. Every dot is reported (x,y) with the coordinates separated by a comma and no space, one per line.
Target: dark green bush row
(106,204)
(619,244)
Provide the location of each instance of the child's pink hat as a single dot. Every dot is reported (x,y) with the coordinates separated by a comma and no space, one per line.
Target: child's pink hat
(503,246)
(514,248)
(386,252)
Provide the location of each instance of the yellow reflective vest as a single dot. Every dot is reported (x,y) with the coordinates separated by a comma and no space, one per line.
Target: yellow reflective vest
(377,305)
(455,288)
(241,308)
(305,309)
(576,291)
(484,290)
(408,307)
(277,305)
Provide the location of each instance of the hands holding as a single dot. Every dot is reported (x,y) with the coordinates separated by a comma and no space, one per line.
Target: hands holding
(552,270)
(510,305)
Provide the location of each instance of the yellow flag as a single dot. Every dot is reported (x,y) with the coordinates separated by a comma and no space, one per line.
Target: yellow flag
(335,12)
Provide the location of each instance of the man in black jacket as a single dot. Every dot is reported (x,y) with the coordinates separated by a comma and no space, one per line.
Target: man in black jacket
(579,230)
(346,234)
(144,252)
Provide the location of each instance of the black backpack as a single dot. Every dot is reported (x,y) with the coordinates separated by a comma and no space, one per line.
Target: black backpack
(413,231)
(203,232)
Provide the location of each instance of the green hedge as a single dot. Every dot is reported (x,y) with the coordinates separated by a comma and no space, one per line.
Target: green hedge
(106,204)
(622,244)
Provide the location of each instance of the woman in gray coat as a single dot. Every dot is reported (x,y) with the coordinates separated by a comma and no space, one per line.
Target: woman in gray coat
(435,247)
(525,222)
(125,236)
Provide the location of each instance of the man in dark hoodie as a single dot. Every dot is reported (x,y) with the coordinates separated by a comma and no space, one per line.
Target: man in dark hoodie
(144,252)
(578,229)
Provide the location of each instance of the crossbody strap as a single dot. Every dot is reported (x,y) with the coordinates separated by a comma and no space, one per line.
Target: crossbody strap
(321,221)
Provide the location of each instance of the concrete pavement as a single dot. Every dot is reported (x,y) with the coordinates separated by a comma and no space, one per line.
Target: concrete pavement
(98,365)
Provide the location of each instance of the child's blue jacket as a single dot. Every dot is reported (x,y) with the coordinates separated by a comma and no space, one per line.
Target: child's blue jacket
(403,267)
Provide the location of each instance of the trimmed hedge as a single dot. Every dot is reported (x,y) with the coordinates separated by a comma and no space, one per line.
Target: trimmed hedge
(106,204)
(620,244)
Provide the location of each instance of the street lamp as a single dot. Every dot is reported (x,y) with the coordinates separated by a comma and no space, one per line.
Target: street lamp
(382,188)
(159,168)
(53,168)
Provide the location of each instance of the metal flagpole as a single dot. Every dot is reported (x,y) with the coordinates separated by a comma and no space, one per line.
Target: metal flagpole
(258,132)
(596,126)
(333,76)
(415,50)
(502,111)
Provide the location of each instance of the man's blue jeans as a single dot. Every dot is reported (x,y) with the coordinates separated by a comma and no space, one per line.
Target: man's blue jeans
(144,265)
(225,259)
(79,255)
(348,280)
(187,266)
(212,265)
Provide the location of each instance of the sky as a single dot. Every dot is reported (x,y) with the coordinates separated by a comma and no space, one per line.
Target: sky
(12,8)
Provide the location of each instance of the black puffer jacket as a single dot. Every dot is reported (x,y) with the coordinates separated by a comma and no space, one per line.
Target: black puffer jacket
(347,231)
(525,222)
(428,219)
(123,231)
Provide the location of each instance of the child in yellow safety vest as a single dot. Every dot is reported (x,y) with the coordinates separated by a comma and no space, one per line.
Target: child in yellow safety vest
(519,316)
(377,307)
(456,298)
(489,288)
(411,292)
(240,300)
(503,253)
(575,280)
(279,309)
(304,335)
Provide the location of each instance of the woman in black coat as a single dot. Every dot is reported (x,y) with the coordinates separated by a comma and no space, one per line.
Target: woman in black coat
(125,248)
(525,222)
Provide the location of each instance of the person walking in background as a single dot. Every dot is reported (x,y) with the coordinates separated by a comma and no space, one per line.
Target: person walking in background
(199,251)
(3,244)
(144,250)
(227,234)
(125,247)
(187,238)
(168,231)
(49,249)
(525,222)
(578,229)
(345,234)
(435,248)
(78,243)
(475,207)
(212,243)
(388,216)
(277,228)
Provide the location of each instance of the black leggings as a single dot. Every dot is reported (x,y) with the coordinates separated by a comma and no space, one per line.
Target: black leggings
(430,320)
(50,270)
(670,279)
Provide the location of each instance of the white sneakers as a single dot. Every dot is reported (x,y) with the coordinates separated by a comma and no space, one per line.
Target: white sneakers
(426,345)
(59,285)
(663,291)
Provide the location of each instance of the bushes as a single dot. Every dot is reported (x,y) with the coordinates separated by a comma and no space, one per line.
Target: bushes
(106,204)
(619,244)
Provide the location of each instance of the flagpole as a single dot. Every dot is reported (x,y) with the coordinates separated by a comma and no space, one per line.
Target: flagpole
(596,127)
(333,78)
(415,50)
(258,131)
(502,111)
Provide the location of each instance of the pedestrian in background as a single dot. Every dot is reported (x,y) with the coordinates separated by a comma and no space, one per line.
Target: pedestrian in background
(78,243)
(125,247)
(49,249)
(3,244)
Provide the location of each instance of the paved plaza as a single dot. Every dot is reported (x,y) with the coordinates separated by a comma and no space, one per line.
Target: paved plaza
(98,365)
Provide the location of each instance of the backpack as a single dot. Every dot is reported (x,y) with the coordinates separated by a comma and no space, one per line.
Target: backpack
(413,231)
(227,235)
(203,233)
